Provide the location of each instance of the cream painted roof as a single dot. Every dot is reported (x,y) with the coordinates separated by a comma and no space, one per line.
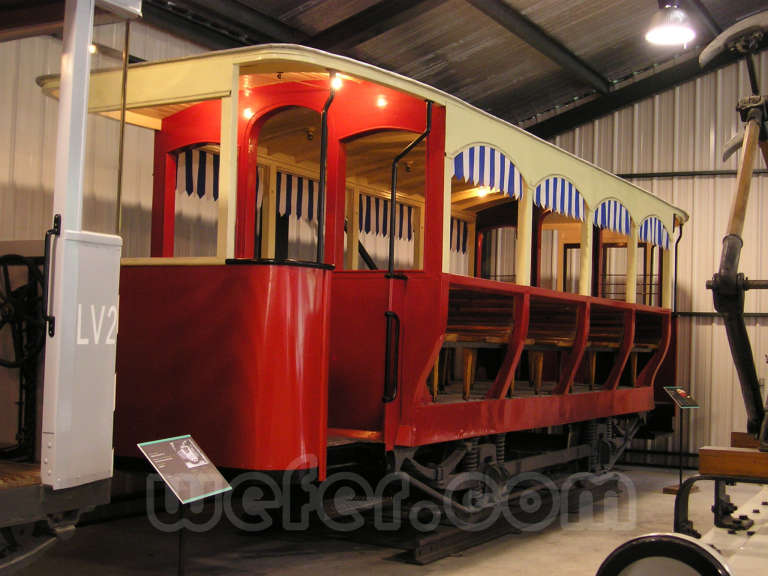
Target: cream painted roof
(169,84)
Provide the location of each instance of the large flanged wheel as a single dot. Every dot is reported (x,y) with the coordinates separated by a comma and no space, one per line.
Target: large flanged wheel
(664,555)
(22,328)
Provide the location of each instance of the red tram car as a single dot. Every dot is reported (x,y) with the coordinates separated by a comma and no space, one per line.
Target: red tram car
(386,265)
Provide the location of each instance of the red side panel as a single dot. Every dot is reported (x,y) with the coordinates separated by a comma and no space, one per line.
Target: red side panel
(237,356)
(667,374)
(444,422)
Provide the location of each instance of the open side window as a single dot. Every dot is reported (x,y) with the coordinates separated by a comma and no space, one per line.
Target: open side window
(369,216)
(482,238)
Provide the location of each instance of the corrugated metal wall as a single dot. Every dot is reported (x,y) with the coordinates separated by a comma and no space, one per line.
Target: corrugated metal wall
(28,121)
(684,129)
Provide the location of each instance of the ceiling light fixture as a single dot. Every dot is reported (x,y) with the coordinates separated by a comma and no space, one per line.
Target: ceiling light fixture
(336,81)
(670,26)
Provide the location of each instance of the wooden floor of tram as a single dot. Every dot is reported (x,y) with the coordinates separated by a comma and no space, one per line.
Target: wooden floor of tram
(18,475)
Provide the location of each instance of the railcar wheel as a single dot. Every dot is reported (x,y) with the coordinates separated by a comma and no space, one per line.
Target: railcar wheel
(21,312)
(663,555)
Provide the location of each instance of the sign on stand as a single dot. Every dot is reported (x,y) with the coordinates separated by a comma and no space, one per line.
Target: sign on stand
(681,397)
(188,472)
(185,468)
(684,401)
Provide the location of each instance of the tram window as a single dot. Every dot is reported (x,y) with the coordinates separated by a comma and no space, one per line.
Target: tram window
(185,155)
(460,246)
(373,230)
(649,281)
(196,206)
(613,281)
(482,219)
(571,267)
(613,264)
(369,221)
(549,257)
(498,255)
(559,258)
(287,193)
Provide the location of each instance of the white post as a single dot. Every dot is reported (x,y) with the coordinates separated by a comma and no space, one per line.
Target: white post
(225,239)
(666,272)
(631,284)
(585,258)
(79,379)
(524,237)
(73,111)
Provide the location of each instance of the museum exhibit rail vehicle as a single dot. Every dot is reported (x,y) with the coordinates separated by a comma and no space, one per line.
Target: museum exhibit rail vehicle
(384,267)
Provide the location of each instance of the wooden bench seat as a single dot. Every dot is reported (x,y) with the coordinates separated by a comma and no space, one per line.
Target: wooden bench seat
(605,346)
(548,343)
(476,319)
(456,340)
(639,347)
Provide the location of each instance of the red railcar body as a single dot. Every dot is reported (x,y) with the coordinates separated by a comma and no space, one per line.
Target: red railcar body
(237,355)
(259,361)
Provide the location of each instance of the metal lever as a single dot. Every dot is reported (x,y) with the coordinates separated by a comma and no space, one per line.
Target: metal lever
(50,319)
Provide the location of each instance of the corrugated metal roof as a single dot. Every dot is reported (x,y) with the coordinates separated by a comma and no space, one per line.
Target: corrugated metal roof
(456,46)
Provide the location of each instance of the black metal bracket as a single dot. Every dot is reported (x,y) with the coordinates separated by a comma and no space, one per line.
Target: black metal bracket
(393,186)
(49,319)
(722,508)
(323,170)
(755,107)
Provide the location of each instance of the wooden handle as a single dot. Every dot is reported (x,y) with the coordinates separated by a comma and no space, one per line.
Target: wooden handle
(744,178)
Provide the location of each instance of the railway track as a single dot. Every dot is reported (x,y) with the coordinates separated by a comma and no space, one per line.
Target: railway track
(415,546)
(446,539)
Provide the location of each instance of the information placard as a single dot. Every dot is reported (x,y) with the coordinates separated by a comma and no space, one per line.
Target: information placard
(681,397)
(185,468)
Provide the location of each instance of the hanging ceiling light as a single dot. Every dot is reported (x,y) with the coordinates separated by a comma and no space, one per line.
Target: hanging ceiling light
(670,26)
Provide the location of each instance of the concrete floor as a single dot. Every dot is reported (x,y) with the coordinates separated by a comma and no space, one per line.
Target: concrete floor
(133,546)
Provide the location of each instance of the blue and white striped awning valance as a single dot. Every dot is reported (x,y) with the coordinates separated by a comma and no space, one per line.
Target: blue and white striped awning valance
(373,217)
(297,196)
(197,172)
(560,196)
(652,230)
(459,233)
(612,215)
(485,166)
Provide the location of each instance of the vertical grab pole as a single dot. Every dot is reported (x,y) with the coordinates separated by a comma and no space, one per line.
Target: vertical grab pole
(323,170)
(121,144)
(391,354)
(393,189)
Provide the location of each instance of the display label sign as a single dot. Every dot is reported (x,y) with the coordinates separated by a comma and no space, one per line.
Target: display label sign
(681,397)
(185,468)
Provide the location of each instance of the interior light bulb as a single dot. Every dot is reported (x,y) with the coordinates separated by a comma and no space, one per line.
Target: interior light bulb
(670,26)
